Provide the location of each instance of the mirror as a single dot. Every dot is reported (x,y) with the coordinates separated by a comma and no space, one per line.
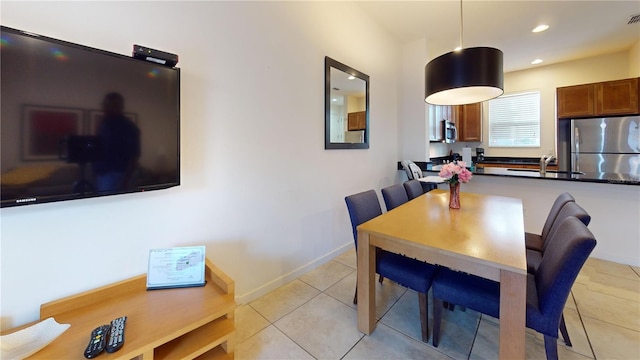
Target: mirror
(346,107)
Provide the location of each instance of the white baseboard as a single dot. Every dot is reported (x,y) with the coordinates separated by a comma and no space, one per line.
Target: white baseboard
(286,278)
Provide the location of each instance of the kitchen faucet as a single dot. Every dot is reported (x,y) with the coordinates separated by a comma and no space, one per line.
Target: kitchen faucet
(544,161)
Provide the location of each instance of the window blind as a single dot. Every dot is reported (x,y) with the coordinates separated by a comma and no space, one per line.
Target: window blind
(514,120)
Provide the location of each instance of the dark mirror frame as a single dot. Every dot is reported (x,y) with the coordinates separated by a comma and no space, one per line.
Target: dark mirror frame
(328,64)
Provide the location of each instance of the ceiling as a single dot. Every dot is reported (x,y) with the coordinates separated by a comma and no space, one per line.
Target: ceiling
(578,29)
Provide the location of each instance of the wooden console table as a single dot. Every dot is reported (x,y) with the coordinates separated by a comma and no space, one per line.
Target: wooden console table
(183,323)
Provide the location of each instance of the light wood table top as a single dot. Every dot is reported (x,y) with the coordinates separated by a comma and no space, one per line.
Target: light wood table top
(486,229)
(485,237)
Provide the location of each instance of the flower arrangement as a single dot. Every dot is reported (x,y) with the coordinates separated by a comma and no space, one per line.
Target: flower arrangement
(455,172)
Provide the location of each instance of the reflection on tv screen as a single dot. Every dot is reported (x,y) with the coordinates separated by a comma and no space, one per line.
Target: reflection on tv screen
(79,122)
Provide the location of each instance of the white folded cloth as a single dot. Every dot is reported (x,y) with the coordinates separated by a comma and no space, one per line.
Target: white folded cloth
(28,341)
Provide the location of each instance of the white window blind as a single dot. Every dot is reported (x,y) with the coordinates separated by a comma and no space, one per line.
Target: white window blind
(514,120)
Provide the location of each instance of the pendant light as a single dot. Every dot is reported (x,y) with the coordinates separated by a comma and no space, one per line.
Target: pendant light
(464,76)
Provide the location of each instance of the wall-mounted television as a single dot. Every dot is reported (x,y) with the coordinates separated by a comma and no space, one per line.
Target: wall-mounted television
(78,122)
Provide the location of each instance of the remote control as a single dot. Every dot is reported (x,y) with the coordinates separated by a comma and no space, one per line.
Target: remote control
(97,342)
(116,334)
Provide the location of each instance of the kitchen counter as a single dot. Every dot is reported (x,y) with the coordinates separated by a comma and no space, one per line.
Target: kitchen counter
(610,178)
(489,160)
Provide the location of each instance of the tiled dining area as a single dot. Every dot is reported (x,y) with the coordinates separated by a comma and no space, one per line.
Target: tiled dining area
(313,317)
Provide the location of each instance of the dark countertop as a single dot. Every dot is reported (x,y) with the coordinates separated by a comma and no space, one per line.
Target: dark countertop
(487,161)
(511,160)
(608,178)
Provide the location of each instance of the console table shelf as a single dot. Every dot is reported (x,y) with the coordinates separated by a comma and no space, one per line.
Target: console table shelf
(183,323)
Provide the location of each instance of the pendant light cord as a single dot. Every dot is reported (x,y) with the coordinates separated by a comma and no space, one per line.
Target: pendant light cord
(461,25)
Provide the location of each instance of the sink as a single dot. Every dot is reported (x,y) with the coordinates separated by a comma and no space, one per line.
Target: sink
(550,171)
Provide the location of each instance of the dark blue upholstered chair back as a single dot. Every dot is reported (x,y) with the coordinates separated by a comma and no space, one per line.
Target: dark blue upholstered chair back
(362,207)
(557,206)
(408,272)
(394,196)
(536,241)
(413,189)
(547,290)
(569,247)
(534,257)
(569,209)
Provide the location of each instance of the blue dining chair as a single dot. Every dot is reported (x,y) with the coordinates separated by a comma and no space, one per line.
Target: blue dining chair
(535,241)
(547,290)
(413,189)
(408,272)
(534,258)
(394,196)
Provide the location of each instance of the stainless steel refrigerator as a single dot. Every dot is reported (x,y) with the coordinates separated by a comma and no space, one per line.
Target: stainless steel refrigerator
(606,146)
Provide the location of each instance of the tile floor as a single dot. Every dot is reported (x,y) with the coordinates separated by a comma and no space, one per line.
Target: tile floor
(313,317)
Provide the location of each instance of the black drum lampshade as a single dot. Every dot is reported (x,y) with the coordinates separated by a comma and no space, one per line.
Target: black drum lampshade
(464,77)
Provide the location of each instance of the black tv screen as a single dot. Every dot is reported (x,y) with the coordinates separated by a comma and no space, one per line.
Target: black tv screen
(79,122)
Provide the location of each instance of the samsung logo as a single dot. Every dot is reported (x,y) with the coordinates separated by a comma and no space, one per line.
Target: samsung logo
(156,60)
(19,201)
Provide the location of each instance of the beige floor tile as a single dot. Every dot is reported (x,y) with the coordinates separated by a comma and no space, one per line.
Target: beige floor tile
(457,332)
(269,344)
(327,275)
(608,308)
(486,345)
(577,335)
(625,287)
(248,322)
(344,290)
(387,293)
(610,268)
(324,326)
(386,343)
(612,342)
(319,318)
(284,300)
(348,258)
(571,303)
(404,316)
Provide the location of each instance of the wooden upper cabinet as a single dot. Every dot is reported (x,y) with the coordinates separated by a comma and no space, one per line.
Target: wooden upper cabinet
(469,122)
(619,97)
(357,120)
(576,101)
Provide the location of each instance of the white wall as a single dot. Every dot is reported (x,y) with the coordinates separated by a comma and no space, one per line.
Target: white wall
(634,60)
(413,128)
(258,188)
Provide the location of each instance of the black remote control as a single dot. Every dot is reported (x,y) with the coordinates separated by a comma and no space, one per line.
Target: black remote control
(116,334)
(97,342)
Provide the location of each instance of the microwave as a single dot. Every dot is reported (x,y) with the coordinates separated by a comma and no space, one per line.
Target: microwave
(449,132)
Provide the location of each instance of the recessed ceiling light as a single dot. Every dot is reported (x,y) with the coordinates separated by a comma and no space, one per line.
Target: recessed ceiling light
(536,61)
(540,28)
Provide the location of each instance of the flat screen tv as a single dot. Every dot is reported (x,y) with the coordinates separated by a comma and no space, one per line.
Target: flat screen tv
(78,122)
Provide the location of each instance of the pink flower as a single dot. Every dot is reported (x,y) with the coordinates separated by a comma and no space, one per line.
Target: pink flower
(455,172)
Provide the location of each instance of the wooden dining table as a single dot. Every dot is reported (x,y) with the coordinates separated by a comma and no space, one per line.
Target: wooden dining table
(485,237)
